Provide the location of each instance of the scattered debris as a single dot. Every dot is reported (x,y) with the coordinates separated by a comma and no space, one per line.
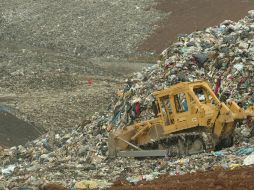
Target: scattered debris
(210,54)
(249,160)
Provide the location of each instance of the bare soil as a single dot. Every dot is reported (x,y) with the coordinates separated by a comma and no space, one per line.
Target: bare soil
(186,16)
(219,179)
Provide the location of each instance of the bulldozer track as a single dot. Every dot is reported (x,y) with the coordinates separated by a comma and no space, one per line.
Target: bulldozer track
(183,144)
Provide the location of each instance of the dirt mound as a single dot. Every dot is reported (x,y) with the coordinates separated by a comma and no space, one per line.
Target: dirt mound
(219,179)
(14,131)
(187,16)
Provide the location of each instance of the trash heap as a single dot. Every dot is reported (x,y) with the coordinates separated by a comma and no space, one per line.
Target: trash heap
(60,157)
(224,55)
(78,159)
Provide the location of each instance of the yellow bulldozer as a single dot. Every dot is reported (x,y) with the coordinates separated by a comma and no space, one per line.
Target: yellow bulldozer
(189,119)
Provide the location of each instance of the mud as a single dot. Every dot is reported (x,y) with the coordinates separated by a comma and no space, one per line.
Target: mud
(219,179)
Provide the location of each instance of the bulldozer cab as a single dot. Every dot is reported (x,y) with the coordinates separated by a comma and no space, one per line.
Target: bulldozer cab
(174,110)
(179,105)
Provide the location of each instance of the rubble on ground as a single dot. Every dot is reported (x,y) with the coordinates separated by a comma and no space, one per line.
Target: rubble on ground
(224,55)
(57,90)
(79,28)
(48,55)
(79,158)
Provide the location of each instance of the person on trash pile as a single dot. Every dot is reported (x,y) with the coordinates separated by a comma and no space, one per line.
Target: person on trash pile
(135,109)
(217,86)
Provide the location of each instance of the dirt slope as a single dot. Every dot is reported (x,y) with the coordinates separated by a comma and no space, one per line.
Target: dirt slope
(186,16)
(220,180)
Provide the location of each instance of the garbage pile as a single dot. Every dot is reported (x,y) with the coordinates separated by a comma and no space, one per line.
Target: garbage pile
(64,157)
(78,158)
(223,55)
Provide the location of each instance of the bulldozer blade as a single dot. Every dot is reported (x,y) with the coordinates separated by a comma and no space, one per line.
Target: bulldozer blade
(152,153)
(143,153)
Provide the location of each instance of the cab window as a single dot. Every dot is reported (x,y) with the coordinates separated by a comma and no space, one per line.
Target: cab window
(200,93)
(166,109)
(165,104)
(181,103)
(203,95)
